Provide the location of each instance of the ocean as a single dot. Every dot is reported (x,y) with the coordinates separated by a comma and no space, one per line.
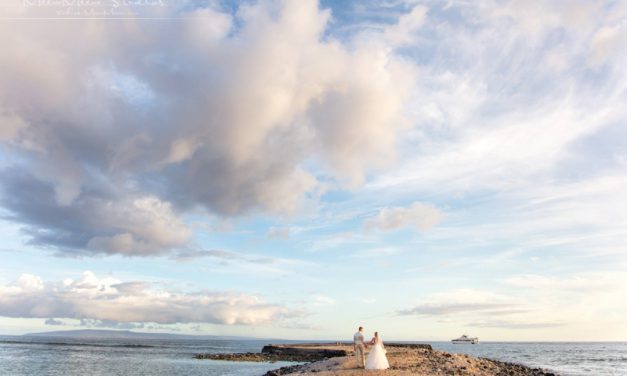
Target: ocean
(20,356)
(565,358)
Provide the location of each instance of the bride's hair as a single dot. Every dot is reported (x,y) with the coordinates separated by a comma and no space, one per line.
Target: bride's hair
(376,334)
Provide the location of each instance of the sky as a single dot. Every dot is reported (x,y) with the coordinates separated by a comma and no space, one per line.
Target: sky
(295,169)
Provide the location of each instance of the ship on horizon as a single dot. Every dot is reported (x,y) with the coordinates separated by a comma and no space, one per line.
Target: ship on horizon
(465,339)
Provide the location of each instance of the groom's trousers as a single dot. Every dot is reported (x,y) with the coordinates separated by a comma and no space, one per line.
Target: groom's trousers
(360,353)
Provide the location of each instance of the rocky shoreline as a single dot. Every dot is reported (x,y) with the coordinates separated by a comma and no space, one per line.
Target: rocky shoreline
(326,359)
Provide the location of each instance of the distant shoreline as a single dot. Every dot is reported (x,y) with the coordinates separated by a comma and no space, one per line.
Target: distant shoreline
(104,334)
(96,334)
(326,359)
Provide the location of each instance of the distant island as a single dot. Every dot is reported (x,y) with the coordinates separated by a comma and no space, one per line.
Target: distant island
(127,334)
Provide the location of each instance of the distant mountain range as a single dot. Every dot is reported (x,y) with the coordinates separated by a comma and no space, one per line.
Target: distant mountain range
(127,334)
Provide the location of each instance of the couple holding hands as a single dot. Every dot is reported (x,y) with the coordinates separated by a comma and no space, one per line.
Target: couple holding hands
(376,357)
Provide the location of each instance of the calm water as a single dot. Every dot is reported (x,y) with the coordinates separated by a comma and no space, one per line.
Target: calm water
(71,357)
(566,358)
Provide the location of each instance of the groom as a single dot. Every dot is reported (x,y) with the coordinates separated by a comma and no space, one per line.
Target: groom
(360,348)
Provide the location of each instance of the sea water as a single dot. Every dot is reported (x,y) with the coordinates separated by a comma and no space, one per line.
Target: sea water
(128,357)
(20,356)
(565,358)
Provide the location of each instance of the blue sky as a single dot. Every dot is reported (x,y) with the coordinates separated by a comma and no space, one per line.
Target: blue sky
(295,169)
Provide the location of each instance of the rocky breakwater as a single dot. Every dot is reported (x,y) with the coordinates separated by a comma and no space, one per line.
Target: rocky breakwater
(302,353)
(337,359)
(406,360)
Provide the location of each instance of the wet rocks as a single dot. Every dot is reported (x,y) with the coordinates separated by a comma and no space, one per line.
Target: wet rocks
(240,357)
(284,371)
(307,354)
(276,353)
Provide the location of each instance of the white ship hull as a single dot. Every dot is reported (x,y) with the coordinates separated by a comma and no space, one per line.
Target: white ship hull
(466,339)
(472,342)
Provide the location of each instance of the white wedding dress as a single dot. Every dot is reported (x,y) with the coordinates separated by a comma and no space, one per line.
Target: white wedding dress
(376,357)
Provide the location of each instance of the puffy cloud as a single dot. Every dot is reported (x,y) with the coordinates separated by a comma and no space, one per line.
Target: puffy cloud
(417,215)
(108,300)
(96,222)
(214,110)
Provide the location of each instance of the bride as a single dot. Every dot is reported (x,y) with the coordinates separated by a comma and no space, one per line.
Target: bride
(376,357)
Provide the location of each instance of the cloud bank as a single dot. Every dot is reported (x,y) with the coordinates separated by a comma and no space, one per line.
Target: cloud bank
(110,300)
(131,125)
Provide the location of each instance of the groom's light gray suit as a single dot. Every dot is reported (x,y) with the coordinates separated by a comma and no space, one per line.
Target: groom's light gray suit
(360,349)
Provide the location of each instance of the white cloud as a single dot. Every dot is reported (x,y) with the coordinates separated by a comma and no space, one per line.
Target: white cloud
(223,112)
(401,32)
(151,224)
(111,300)
(418,215)
(132,226)
(510,109)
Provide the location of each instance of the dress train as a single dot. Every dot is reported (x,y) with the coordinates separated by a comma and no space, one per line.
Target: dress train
(376,358)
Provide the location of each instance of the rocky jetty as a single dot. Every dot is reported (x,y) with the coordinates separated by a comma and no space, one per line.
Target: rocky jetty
(336,359)
(286,353)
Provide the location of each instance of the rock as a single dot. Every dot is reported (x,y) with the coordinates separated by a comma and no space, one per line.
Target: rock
(406,359)
(423,346)
(308,354)
(272,353)
(284,370)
